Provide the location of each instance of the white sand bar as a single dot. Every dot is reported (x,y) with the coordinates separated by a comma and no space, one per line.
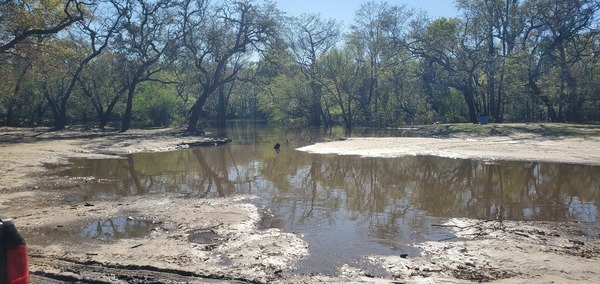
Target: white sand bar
(562,150)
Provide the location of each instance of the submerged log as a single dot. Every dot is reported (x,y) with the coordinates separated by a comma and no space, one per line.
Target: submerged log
(206,142)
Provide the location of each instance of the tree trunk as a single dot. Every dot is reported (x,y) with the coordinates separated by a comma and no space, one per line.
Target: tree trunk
(10,113)
(196,110)
(491,74)
(12,101)
(470,100)
(349,116)
(468,88)
(221,107)
(500,102)
(105,117)
(61,121)
(51,102)
(315,110)
(194,116)
(127,116)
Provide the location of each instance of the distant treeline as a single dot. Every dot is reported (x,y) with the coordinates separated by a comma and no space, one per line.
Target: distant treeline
(146,63)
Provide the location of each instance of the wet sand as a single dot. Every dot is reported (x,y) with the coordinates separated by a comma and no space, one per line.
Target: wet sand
(494,250)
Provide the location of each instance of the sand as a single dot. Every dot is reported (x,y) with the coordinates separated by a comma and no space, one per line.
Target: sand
(541,149)
(493,251)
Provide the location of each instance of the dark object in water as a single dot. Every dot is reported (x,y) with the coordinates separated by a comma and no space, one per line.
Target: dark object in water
(277,146)
(206,142)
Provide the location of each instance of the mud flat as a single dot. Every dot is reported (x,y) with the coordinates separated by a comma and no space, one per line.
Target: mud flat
(200,241)
(53,225)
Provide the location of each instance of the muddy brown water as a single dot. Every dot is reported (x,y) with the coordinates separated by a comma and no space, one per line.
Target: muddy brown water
(345,207)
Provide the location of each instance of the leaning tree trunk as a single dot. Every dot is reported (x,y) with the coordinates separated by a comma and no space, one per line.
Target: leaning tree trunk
(471,104)
(196,110)
(469,96)
(127,116)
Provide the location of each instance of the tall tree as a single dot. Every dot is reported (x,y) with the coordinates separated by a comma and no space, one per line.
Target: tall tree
(377,34)
(566,22)
(344,78)
(449,45)
(535,50)
(215,37)
(15,73)
(558,36)
(147,32)
(103,83)
(486,14)
(510,27)
(309,38)
(96,34)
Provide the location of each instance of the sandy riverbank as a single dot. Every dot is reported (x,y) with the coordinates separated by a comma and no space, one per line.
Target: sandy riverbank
(501,252)
(540,149)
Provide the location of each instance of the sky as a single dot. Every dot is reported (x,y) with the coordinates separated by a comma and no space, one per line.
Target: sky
(344,10)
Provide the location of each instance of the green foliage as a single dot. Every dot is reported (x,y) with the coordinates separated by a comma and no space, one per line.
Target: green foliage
(516,61)
(156,106)
(287,100)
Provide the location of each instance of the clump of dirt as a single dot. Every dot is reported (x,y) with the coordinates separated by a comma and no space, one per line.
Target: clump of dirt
(483,274)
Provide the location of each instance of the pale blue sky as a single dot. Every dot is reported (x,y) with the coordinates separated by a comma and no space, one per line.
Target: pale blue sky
(344,9)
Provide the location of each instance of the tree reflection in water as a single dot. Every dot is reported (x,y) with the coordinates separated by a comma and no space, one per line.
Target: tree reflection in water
(350,205)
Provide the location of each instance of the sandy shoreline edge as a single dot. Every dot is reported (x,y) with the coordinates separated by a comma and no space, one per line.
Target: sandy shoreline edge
(486,250)
(567,150)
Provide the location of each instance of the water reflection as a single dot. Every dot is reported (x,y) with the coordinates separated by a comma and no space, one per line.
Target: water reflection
(117,228)
(441,187)
(344,206)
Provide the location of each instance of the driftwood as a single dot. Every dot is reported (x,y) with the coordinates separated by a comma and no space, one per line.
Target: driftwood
(207,142)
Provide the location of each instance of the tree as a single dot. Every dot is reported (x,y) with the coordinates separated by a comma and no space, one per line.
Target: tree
(499,23)
(377,35)
(344,78)
(309,38)
(102,83)
(21,20)
(147,32)
(447,44)
(24,25)
(282,88)
(216,37)
(558,37)
(14,75)
(98,33)
(58,63)
(534,49)
(566,22)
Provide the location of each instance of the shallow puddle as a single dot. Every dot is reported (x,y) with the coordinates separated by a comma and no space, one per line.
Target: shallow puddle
(345,207)
(117,228)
